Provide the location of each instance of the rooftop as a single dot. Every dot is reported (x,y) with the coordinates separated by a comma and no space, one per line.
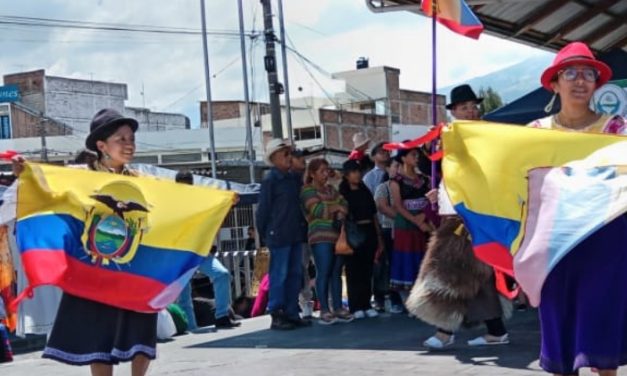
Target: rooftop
(548,24)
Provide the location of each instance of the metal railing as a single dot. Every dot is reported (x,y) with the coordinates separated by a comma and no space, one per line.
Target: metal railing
(232,252)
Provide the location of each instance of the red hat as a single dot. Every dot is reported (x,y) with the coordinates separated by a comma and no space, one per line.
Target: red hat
(572,54)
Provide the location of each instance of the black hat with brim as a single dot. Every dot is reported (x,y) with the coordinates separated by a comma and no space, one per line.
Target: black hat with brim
(105,120)
(462,93)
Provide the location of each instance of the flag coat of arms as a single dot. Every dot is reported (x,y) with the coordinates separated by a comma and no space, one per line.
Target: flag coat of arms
(129,242)
(529,196)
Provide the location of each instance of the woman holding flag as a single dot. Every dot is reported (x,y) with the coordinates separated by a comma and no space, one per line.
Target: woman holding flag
(85,331)
(583,309)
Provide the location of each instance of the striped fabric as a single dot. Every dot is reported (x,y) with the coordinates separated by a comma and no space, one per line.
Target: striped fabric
(316,204)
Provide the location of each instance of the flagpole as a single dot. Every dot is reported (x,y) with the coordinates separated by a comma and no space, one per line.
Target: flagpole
(434,88)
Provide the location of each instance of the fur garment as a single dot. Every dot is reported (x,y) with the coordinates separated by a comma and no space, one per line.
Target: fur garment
(450,280)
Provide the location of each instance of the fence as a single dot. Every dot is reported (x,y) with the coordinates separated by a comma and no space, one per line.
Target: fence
(232,243)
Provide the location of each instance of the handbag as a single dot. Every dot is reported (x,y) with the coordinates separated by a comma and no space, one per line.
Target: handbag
(355,236)
(341,245)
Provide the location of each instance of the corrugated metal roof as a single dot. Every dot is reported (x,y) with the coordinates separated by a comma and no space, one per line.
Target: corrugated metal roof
(549,24)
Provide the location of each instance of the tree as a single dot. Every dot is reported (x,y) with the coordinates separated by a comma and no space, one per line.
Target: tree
(491,100)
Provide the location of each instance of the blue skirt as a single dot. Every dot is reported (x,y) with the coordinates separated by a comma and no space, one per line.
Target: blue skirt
(583,308)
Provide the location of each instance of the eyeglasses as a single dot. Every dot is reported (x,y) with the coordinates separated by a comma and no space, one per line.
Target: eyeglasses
(571,74)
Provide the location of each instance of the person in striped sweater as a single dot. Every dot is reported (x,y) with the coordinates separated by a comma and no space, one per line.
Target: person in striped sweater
(323,205)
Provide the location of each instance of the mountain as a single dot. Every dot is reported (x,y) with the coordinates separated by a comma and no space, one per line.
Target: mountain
(512,82)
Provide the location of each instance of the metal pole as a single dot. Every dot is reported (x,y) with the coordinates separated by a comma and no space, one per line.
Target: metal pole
(270,65)
(434,90)
(288,106)
(249,127)
(208,88)
(42,133)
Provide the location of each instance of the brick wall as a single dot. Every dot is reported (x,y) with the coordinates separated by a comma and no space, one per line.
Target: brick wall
(31,86)
(415,107)
(340,126)
(26,124)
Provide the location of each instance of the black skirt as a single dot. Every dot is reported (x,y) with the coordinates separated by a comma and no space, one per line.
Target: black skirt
(87,332)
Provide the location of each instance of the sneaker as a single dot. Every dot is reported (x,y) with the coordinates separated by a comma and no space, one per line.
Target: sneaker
(298,322)
(279,322)
(226,323)
(343,316)
(372,313)
(436,343)
(379,306)
(396,309)
(327,318)
(483,341)
(359,315)
(307,310)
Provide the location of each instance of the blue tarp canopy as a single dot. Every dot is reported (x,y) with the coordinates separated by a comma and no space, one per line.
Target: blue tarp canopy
(531,106)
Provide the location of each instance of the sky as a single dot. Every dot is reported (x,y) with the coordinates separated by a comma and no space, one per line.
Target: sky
(169,71)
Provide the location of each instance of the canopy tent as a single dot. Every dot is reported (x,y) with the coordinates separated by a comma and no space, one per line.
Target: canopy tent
(531,106)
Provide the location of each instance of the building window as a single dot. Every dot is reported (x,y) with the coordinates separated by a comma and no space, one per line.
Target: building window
(5,127)
(179,158)
(147,159)
(310,133)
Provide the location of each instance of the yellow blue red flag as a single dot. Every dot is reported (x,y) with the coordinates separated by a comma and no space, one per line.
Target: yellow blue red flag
(130,242)
(455,15)
(529,196)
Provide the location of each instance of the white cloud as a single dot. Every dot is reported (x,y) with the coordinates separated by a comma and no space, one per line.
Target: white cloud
(170,66)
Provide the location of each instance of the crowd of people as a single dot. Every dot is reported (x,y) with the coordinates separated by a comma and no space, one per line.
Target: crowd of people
(388,200)
(373,228)
(401,245)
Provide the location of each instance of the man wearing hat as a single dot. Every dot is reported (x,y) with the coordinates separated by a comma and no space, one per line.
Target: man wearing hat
(299,165)
(464,103)
(360,144)
(282,228)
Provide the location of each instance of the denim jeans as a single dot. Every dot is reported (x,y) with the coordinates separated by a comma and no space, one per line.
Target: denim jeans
(221,281)
(286,278)
(306,293)
(328,275)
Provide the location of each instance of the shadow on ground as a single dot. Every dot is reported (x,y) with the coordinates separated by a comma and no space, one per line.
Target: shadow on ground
(398,333)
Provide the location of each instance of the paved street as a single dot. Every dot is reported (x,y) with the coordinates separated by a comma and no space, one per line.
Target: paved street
(387,345)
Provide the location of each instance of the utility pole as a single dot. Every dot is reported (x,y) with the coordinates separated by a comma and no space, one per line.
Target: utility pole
(208,88)
(249,127)
(270,64)
(42,133)
(288,106)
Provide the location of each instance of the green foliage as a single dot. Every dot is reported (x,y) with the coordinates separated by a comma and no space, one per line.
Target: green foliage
(491,100)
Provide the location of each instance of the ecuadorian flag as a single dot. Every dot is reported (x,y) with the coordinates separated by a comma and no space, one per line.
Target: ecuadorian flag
(529,196)
(130,242)
(455,15)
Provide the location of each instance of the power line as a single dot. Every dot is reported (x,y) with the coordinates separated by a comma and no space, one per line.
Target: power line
(81,25)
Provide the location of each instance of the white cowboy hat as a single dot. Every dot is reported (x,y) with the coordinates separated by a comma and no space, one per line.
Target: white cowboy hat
(273,146)
(360,139)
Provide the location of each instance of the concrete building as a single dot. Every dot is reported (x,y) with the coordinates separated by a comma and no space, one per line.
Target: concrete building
(73,103)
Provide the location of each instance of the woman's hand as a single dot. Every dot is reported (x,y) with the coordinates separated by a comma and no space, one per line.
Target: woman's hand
(421,222)
(432,196)
(338,209)
(18,164)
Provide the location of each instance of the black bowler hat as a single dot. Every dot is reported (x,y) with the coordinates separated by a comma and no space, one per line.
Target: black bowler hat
(106,120)
(462,93)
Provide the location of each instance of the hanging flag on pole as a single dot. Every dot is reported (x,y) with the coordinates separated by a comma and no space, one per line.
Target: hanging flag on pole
(455,15)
